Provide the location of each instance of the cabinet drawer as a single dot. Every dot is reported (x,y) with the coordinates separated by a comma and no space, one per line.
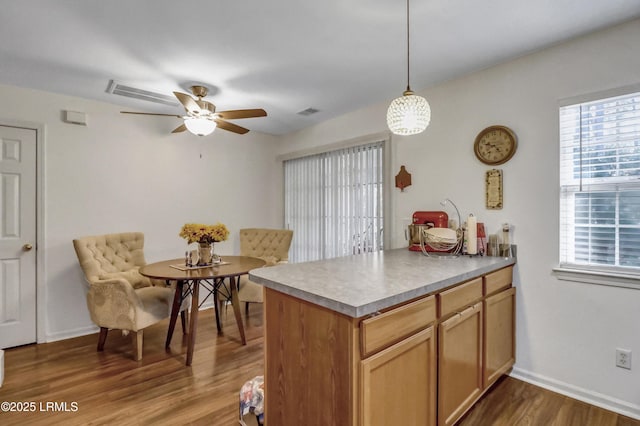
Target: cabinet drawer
(392,326)
(498,280)
(460,296)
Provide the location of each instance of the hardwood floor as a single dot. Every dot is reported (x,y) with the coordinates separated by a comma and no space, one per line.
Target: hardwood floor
(111,388)
(514,402)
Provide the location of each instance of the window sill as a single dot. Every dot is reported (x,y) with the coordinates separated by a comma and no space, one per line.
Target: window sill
(597,277)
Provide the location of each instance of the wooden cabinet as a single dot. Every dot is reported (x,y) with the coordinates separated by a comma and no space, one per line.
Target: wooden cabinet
(398,384)
(476,344)
(309,363)
(425,362)
(460,337)
(398,367)
(459,363)
(499,335)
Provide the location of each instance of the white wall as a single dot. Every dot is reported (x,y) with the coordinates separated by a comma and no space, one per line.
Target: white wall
(129,173)
(566,332)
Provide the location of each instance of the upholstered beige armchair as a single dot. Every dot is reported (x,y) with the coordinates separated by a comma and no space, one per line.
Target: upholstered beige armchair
(119,296)
(271,245)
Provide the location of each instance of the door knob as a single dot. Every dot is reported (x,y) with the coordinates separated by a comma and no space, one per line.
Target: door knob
(27,247)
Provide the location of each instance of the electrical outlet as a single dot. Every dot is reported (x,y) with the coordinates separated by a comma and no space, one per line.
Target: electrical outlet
(623,358)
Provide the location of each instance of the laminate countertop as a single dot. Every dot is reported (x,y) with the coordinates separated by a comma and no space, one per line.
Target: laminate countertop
(363,284)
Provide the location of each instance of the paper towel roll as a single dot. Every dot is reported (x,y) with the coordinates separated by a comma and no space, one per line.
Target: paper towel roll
(472,235)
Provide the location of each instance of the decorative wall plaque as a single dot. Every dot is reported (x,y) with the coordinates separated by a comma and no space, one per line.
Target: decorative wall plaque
(493,189)
(403,179)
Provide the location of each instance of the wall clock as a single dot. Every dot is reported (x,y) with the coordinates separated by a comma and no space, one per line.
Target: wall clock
(495,145)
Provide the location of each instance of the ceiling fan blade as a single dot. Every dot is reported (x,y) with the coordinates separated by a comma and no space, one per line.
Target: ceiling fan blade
(180,128)
(151,113)
(187,101)
(242,113)
(225,125)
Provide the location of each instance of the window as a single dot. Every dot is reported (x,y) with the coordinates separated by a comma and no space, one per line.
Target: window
(600,185)
(334,202)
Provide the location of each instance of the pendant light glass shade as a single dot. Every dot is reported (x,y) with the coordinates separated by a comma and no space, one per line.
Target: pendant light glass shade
(200,126)
(409,114)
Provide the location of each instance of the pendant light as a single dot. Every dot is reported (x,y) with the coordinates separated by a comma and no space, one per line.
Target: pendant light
(409,114)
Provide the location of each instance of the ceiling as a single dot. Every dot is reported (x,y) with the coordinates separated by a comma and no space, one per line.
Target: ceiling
(281,55)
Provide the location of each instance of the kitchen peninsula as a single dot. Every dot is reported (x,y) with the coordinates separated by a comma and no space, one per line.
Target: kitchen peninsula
(390,337)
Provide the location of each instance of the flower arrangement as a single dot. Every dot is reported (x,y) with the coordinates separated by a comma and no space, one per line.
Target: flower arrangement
(200,233)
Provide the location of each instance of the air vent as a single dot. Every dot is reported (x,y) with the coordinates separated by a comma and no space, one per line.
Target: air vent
(145,95)
(308,111)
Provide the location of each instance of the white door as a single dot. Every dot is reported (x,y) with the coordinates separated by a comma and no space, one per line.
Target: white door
(17,236)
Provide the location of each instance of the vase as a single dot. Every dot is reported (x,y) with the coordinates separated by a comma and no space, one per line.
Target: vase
(205,254)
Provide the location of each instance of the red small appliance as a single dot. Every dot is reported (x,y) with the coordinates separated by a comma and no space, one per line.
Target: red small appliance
(423,220)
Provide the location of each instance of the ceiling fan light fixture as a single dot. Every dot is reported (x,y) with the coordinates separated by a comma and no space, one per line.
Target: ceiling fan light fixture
(201,117)
(409,114)
(200,126)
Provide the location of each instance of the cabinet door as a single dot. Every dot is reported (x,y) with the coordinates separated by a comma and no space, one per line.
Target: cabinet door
(500,342)
(398,384)
(459,364)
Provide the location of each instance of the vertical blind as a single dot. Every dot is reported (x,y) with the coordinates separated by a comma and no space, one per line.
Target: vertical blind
(333,202)
(600,184)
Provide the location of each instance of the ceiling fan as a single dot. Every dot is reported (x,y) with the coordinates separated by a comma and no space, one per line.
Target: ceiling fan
(202,118)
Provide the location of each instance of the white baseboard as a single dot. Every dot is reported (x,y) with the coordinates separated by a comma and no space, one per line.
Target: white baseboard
(83,331)
(594,398)
(69,334)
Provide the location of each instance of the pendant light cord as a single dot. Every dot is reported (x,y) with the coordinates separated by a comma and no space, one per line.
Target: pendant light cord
(408,63)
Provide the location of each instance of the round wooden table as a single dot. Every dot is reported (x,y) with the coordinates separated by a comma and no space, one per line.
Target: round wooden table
(212,278)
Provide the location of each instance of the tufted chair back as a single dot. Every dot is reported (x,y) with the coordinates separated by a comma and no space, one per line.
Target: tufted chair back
(271,245)
(112,255)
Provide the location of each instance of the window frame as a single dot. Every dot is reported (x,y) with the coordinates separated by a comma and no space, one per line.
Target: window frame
(590,274)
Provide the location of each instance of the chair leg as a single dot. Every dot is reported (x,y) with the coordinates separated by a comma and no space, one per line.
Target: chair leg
(102,338)
(246,308)
(184,318)
(136,337)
